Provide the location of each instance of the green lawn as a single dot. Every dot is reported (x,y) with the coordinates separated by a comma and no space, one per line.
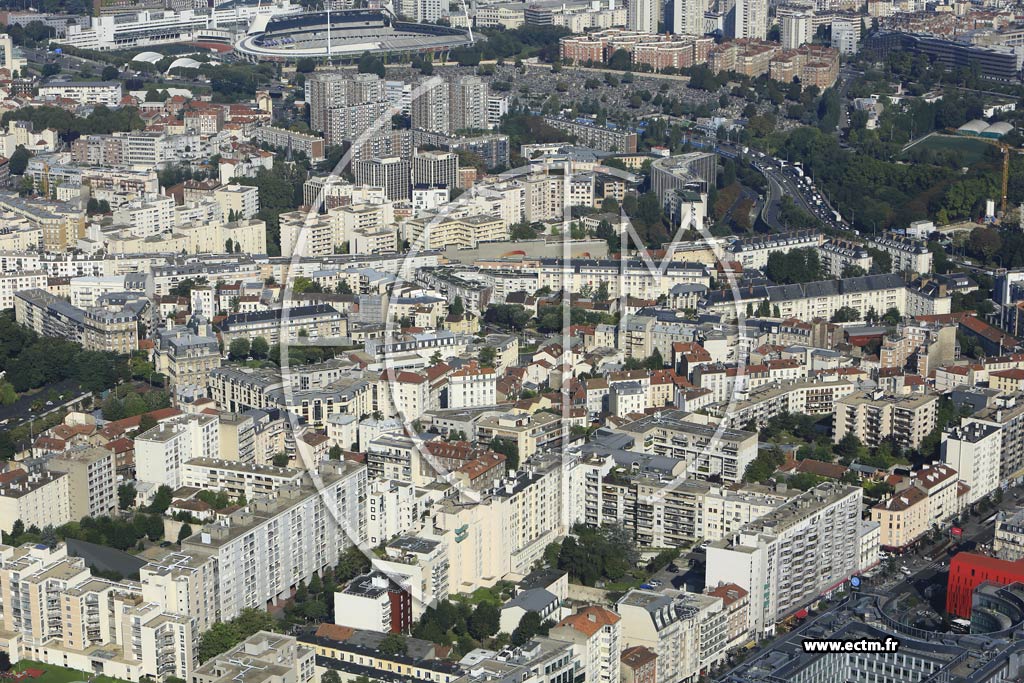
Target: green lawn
(971,150)
(59,674)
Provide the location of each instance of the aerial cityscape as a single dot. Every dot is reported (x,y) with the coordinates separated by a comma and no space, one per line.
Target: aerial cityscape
(556,341)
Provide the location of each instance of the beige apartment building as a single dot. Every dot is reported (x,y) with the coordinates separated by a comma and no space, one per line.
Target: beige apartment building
(874,417)
(39,499)
(54,611)
(92,480)
(927,501)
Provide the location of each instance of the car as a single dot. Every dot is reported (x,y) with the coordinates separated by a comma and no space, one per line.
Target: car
(905,571)
(646,586)
(673,567)
(165,544)
(654,582)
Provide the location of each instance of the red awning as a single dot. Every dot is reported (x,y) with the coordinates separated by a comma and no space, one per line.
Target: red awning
(802,614)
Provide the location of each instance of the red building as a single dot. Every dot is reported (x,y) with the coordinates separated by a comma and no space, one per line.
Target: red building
(967,571)
(639,665)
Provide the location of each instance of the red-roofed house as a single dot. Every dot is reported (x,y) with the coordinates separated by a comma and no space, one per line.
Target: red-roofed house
(595,632)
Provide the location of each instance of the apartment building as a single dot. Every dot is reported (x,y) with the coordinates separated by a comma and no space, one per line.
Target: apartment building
(596,137)
(288,140)
(876,416)
(430,232)
(238,479)
(92,480)
(753,252)
(107,93)
(184,356)
(319,321)
(668,625)
(926,501)
(633,278)
(420,564)
(38,499)
(161,452)
(114,328)
(55,612)
(263,551)
(836,255)
(472,386)
(352,652)
(1006,415)
(706,451)
(506,530)
(813,397)
(908,255)
(1008,543)
(596,635)
(394,174)
(794,554)
(263,657)
(974,450)
(375,603)
(11,283)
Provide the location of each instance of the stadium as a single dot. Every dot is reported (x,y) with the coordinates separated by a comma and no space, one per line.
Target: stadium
(344,34)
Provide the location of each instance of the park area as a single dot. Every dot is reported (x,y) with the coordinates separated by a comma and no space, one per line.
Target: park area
(970,150)
(34,672)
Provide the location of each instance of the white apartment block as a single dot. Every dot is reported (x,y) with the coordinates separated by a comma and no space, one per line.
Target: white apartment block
(17,282)
(262,552)
(472,386)
(161,452)
(753,252)
(907,254)
(792,555)
(55,612)
(105,93)
(92,480)
(874,417)
(39,499)
(974,450)
(238,478)
(632,278)
(391,509)
(506,531)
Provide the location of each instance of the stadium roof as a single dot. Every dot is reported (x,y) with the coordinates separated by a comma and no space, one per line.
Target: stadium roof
(184,63)
(148,57)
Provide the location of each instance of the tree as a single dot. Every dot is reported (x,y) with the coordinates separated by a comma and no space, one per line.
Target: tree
(620,60)
(19,161)
(508,448)
(239,349)
(529,626)
(162,500)
(392,644)
(330,676)
(983,242)
(110,73)
(655,361)
(259,348)
(5,662)
(485,620)
(487,356)
(846,314)
(280,460)
(126,496)
(184,532)
(335,453)
(456,308)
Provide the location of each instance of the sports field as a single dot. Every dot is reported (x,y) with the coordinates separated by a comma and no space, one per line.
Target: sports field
(971,150)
